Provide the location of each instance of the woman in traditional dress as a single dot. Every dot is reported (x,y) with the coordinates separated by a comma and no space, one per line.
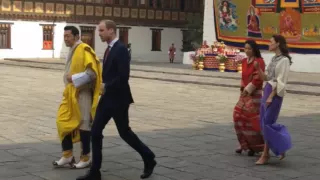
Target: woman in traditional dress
(275,135)
(246,112)
(172,53)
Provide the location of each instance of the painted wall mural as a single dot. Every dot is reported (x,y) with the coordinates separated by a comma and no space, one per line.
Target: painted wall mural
(227,15)
(297,20)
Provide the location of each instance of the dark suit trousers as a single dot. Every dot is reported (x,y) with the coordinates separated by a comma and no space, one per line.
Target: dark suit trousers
(121,118)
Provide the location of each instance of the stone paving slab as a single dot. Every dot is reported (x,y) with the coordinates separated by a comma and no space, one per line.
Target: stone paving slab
(294,87)
(188,126)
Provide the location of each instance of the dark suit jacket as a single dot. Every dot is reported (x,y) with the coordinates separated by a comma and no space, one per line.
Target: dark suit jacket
(115,76)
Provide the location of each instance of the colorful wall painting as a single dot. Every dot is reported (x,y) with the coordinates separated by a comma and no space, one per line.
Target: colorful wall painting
(290,24)
(297,20)
(227,15)
(253,23)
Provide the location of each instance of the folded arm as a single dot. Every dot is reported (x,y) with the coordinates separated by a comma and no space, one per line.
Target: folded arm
(88,75)
(83,78)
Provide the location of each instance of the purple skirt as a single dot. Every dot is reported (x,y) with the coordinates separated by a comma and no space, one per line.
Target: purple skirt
(276,136)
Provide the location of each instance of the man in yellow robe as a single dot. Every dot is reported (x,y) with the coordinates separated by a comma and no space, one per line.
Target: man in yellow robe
(82,81)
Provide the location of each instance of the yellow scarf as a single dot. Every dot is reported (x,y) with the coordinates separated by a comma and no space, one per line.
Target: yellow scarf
(69,115)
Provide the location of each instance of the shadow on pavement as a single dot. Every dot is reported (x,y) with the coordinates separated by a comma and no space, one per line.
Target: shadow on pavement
(206,152)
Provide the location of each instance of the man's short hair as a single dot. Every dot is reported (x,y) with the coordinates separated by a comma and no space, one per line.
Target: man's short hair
(110,24)
(74,30)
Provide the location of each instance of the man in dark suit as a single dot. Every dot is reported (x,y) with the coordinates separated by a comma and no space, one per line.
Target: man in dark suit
(114,103)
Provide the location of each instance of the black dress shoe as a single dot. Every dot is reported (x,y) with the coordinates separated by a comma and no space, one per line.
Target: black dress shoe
(148,169)
(91,176)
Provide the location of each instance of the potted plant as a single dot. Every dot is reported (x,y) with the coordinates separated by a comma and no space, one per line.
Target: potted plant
(195,61)
(201,59)
(222,60)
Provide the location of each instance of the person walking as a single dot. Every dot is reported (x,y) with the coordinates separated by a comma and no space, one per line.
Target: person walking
(82,80)
(276,136)
(247,110)
(114,103)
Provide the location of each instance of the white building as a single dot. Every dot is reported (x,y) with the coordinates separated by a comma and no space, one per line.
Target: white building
(154,26)
(27,41)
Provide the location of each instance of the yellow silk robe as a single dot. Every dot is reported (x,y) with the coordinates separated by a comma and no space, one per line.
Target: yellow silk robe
(69,115)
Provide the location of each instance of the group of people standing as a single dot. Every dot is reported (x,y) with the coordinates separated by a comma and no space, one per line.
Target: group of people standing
(94,93)
(262,92)
(97,91)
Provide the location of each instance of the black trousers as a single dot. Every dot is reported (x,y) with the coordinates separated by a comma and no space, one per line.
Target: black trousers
(121,118)
(85,141)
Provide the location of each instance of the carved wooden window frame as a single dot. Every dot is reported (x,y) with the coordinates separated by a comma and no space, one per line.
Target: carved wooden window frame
(188,5)
(175,4)
(125,2)
(136,4)
(5,35)
(123,35)
(197,4)
(47,36)
(156,39)
(90,30)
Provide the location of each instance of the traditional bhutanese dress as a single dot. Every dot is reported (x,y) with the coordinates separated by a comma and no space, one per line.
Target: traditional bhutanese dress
(78,106)
(172,52)
(79,103)
(275,135)
(247,110)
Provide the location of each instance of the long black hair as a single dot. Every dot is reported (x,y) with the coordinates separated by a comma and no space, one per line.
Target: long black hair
(283,46)
(255,48)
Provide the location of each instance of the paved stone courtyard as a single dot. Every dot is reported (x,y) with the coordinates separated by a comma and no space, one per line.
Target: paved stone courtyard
(188,126)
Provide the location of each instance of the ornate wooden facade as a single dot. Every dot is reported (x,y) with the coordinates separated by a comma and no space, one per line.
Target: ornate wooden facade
(164,13)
